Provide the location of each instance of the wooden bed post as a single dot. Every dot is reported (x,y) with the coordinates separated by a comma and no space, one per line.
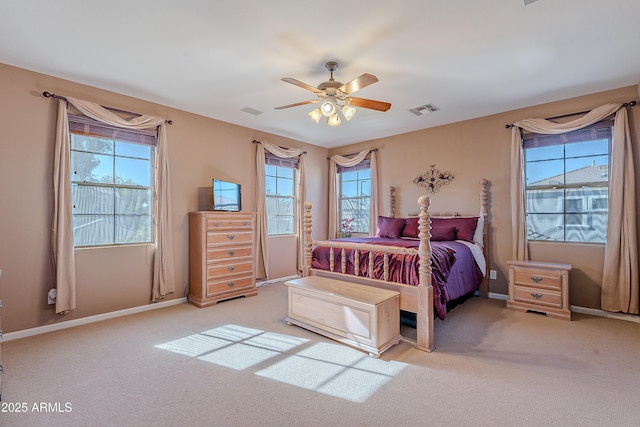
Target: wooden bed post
(392,202)
(425,314)
(306,241)
(484,285)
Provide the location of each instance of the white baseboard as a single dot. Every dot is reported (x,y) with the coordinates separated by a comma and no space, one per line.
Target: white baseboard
(281,279)
(493,295)
(90,319)
(98,317)
(585,310)
(607,314)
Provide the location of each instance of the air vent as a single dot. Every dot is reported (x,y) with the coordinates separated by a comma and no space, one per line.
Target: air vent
(424,109)
(251,111)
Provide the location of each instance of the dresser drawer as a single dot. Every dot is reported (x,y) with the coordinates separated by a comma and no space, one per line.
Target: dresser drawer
(231,283)
(539,278)
(216,270)
(230,223)
(230,254)
(229,238)
(537,296)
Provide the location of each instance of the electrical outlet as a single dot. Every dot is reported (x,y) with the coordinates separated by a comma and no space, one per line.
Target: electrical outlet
(51,296)
(493,274)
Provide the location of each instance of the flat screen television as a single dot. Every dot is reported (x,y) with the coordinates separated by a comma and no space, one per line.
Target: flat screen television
(226,196)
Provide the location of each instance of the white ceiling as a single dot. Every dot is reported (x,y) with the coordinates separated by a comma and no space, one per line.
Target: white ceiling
(470,58)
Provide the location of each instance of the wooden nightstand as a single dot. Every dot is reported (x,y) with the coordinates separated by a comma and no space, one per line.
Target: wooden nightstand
(539,286)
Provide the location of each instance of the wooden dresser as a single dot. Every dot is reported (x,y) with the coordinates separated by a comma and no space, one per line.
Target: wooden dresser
(541,287)
(221,256)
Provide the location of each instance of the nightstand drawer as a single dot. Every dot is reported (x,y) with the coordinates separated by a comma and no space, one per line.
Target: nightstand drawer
(539,278)
(537,296)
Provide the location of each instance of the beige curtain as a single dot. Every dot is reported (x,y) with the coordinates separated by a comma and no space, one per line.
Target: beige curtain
(262,255)
(338,160)
(64,269)
(164,270)
(620,291)
(620,288)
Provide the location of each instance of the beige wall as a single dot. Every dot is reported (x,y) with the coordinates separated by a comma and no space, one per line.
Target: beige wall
(110,279)
(480,148)
(200,148)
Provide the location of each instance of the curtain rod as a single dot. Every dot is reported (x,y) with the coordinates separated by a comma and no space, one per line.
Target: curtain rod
(626,104)
(351,154)
(62,98)
(255,141)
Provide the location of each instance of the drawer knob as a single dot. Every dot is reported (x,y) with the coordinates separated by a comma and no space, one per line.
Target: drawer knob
(231,284)
(231,268)
(231,253)
(231,237)
(245,223)
(536,296)
(216,224)
(536,279)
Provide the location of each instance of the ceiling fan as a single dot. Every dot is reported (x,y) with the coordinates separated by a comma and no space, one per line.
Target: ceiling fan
(336,96)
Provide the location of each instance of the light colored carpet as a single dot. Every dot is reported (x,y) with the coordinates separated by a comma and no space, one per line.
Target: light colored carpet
(239,364)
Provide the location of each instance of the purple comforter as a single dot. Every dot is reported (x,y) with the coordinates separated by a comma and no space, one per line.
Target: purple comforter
(454,270)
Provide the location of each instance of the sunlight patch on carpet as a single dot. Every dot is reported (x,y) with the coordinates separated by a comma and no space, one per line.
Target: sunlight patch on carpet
(335,370)
(233,346)
(332,369)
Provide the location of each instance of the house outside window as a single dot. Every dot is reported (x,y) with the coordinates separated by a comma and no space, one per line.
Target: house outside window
(112,184)
(280,195)
(355,195)
(567,185)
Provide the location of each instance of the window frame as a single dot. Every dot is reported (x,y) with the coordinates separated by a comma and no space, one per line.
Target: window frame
(289,163)
(83,126)
(362,226)
(602,130)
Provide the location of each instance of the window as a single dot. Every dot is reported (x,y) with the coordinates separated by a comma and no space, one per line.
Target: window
(280,179)
(567,184)
(111,184)
(355,195)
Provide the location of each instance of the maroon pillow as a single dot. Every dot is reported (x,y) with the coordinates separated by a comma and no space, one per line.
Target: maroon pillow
(410,227)
(442,230)
(390,227)
(465,227)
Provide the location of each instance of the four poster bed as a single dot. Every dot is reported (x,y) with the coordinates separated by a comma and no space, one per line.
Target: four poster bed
(432,260)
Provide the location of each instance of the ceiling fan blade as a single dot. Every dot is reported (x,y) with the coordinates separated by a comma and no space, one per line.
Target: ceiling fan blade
(369,103)
(358,83)
(282,107)
(302,85)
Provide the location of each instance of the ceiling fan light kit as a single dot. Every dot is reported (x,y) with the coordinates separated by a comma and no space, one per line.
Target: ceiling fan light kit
(315,115)
(334,120)
(335,97)
(329,106)
(348,112)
